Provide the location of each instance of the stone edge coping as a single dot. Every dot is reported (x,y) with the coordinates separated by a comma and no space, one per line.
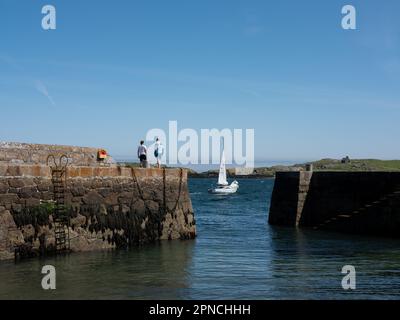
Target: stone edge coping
(25,170)
(45,147)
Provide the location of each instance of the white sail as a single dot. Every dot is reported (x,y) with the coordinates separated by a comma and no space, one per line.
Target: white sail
(222,171)
(223,188)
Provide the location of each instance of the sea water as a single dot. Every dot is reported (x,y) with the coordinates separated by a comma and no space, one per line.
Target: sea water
(236,255)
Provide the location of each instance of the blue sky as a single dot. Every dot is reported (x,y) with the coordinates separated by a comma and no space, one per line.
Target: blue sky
(112,70)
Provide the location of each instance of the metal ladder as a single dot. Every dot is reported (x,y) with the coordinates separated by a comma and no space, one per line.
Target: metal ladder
(60,216)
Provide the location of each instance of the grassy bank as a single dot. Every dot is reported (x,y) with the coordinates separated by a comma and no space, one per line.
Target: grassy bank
(320,165)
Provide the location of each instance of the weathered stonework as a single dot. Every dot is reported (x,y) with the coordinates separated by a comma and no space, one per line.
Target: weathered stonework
(27,153)
(109,207)
(353,202)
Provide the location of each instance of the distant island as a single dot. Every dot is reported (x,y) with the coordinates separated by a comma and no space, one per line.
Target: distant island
(345,164)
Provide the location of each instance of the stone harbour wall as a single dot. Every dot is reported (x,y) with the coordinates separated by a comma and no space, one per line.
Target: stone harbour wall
(109,207)
(352,202)
(27,153)
(284,202)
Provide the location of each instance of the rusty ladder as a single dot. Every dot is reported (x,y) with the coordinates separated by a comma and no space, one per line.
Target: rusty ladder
(60,216)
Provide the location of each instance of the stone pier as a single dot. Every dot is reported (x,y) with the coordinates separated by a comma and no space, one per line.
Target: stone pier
(352,202)
(109,206)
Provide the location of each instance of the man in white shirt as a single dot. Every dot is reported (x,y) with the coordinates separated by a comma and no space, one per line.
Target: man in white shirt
(142,154)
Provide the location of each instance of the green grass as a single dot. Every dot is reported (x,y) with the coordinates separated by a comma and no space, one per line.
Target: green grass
(357,165)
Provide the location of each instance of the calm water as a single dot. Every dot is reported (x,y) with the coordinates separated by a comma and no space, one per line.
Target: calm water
(236,256)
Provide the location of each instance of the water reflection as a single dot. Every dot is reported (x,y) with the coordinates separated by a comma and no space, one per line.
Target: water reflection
(144,273)
(307,265)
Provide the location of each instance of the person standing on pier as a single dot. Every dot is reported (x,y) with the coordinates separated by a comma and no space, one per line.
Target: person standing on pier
(158,152)
(142,154)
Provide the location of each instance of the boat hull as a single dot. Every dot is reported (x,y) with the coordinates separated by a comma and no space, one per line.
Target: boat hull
(233,188)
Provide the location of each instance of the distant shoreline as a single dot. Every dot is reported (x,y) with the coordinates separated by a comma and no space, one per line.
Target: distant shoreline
(345,164)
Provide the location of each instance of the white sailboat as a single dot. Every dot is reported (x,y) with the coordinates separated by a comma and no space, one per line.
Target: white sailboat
(223,187)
